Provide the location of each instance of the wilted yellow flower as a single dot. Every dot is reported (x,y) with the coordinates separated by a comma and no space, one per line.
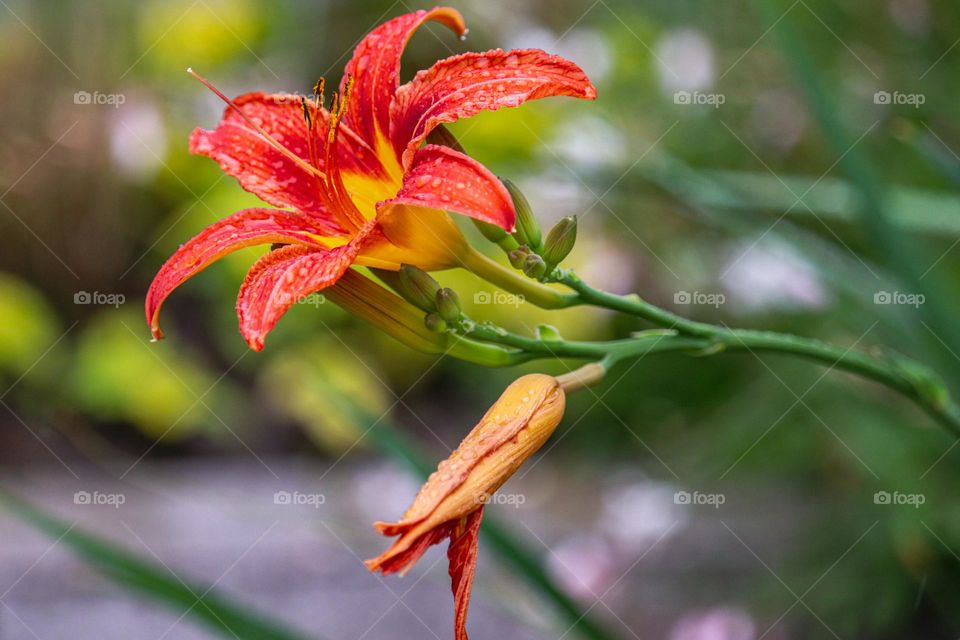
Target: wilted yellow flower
(450,504)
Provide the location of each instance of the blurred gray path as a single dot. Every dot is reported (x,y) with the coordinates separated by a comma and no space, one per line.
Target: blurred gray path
(297,554)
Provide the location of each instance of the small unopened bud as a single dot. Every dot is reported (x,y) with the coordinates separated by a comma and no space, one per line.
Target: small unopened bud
(417,287)
(548,333)
(534,266)
(518,256)
(528,230)
(448,305)
(435,323)
(560,241)
(514,428)
(495,234)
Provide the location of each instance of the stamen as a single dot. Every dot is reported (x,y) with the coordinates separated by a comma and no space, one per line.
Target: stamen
(338,106)
(334,119)
(318,91)
(347,90)
(306,114)
(267,138)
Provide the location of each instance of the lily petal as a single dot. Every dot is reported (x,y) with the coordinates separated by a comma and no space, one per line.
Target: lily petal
(462,555)
(443,178)
(375,68)
(501,424)
(242,229)
(391,561)
(262,170)
(283,277)
(464,85)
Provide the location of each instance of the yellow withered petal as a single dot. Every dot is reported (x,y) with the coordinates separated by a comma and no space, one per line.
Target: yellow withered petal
(512,430)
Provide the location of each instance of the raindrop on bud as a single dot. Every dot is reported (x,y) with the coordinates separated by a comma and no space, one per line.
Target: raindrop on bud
(448,305)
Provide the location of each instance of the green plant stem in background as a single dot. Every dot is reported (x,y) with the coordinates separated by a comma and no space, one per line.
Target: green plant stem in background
(911,379)
(229,619)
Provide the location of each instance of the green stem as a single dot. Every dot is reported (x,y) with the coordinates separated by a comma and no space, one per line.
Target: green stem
(515,282)
(911,379)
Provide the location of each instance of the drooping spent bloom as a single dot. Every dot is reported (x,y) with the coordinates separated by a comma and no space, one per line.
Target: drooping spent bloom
(355,183)
(450,504)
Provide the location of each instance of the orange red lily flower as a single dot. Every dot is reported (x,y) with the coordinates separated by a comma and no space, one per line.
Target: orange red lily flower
(355,183)
(450,504)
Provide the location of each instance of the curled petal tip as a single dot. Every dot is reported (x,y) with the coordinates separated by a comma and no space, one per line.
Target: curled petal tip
(256,344)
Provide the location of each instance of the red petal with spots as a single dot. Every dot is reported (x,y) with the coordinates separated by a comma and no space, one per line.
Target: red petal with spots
(242,229)
(464,85)
(442,178)
(262,170)
(243,153)
(462,554)
(375,68)
(283,277)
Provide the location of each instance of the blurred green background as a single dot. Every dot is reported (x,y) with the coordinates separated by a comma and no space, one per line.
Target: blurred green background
(789,166)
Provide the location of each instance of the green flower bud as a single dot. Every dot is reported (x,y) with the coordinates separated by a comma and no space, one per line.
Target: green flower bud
(560,241)
(534,266)
(435,323)
(491,232)
(417,287)
(448,305)
(548,333)
(528,230)
(518,256)
(495,234)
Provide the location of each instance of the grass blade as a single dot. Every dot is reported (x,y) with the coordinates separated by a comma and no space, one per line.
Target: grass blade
(126,569)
